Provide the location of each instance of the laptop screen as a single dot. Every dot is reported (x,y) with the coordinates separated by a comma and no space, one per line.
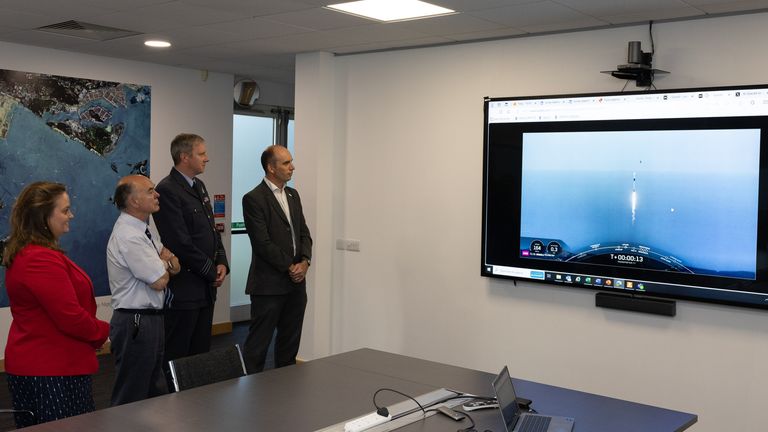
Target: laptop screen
(505,396)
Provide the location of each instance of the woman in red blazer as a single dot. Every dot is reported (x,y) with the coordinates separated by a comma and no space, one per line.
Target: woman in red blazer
(51,350)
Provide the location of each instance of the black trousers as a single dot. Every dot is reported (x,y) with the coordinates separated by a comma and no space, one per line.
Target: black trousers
(283,312)
(138,343)
(187,332)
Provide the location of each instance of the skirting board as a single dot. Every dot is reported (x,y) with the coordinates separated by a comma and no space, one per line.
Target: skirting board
(221,328)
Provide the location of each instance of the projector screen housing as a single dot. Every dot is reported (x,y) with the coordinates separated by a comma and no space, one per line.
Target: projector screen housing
(658,194)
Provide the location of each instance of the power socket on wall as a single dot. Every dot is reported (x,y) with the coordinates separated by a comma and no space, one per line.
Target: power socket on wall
(348,244)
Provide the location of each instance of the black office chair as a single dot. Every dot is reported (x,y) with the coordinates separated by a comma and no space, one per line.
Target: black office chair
(28,418)
(207,368)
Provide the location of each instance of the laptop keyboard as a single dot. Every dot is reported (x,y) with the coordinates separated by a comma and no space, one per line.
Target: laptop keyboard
(534,423)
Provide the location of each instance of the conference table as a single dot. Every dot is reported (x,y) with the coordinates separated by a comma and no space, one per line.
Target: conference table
(317,394)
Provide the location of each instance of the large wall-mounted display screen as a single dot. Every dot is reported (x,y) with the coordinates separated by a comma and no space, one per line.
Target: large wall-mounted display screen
(652,193)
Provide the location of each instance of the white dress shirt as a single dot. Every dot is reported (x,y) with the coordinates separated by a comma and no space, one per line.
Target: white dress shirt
(283,200)
(133,263)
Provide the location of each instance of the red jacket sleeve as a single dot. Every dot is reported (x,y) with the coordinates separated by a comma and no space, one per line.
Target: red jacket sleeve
(65,293)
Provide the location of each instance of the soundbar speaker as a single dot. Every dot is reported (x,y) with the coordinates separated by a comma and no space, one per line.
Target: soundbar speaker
(628,302)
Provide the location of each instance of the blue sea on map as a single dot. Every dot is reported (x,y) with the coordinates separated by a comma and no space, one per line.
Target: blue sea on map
(34,151)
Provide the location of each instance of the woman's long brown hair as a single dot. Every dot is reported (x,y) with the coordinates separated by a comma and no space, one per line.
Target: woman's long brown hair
(29,219)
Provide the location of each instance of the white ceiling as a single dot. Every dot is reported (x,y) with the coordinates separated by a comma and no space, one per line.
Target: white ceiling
(259,38)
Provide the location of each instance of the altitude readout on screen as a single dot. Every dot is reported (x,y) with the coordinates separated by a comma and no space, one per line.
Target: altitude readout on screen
(627,259)
(538,249)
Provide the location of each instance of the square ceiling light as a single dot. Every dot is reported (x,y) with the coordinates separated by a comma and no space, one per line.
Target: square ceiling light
(391,10)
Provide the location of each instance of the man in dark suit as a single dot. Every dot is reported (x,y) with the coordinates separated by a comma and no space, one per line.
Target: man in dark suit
(281,251)
(185,223)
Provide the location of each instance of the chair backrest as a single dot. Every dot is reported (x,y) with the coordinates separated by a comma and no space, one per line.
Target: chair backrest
(23,417)
(207,368)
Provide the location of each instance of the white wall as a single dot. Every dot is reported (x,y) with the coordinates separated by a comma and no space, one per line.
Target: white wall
(181,102)
(389,151)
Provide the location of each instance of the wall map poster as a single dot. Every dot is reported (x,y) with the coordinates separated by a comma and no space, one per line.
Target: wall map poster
(83,133)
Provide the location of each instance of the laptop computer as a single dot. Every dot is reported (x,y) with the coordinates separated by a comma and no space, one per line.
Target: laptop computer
(515,420)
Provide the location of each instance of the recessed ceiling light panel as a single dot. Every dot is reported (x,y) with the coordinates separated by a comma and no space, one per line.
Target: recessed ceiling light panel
(391,10)
(157,43)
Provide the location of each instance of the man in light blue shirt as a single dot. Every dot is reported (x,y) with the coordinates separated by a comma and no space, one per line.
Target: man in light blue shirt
(139,268)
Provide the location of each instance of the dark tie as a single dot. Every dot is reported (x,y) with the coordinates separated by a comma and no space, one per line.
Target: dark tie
(168,298)
(149,236)
(198,188)
(168,292)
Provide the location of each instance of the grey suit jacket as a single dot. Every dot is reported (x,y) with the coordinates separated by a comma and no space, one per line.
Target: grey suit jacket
(271,243)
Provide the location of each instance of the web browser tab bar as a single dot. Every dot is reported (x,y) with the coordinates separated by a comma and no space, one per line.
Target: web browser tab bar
(730,103)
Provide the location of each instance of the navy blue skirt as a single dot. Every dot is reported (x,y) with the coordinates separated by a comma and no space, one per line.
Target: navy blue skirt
(50,397)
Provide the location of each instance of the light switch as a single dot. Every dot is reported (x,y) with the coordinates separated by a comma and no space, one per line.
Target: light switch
(353,245)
